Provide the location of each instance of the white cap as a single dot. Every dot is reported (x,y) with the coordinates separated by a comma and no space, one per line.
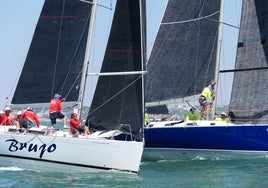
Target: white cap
(223,113)
(19,112)
(7,108)
(29,108)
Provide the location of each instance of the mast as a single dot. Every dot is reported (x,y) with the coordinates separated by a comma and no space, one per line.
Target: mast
(218,55)
(86,58)
(142,60)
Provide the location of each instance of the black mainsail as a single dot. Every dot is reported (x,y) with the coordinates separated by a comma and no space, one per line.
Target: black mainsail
(118,99)
(56,55)
(183,58)
(249,99)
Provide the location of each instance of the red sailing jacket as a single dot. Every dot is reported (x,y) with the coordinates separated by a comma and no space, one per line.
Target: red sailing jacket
(5,120)
(55,105)
(30,115)
(74,123)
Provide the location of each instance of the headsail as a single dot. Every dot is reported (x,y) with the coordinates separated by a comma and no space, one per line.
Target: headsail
(118,99)
(56,55)
(182,61)
(249,99)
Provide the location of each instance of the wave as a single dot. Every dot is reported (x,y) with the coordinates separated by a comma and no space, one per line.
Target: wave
(11,169)
(162,155)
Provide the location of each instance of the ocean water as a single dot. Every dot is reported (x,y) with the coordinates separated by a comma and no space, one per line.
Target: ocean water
(158,169)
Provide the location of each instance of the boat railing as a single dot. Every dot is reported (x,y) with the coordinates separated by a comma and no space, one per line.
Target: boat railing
(119,131)
(126,129)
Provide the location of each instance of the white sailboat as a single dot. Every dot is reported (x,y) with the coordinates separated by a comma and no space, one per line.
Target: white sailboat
(59,55)
(175,72)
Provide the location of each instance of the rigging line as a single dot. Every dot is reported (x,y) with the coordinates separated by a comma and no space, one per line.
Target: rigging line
(191,20)
(197,51)
(57,53)
(196,57)
(205,82)
(75,52)
(34,136)
(197,44)
(54,137)
(224,23)
(109,8)
(211,54)
(103,6)
(72,86)
(163,43)
(201,7)
(209,64)
(155,61)
(111,98)
(244,69)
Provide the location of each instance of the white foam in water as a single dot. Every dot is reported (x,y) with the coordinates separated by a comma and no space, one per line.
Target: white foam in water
(200,158)
(11,169)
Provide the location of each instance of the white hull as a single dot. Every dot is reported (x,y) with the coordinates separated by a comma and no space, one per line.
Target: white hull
(98,153)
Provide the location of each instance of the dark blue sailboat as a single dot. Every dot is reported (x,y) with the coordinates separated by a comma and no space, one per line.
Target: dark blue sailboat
(248,130)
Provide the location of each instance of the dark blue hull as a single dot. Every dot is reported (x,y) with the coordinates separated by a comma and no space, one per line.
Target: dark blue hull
(237,138)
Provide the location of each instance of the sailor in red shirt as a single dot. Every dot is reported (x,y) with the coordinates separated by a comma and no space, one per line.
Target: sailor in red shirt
(28,118)
(55,108)
(6,120)
(2,114)
(15,119)
(76,127)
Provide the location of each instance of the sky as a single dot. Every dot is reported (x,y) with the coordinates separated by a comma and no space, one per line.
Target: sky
(19,17)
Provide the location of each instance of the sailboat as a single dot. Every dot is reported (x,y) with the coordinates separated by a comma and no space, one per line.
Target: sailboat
(57,62)
(247,132)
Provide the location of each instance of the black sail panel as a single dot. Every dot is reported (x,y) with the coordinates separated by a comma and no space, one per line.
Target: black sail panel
(183,57)
(118,99)
(56,55)
(249,99)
